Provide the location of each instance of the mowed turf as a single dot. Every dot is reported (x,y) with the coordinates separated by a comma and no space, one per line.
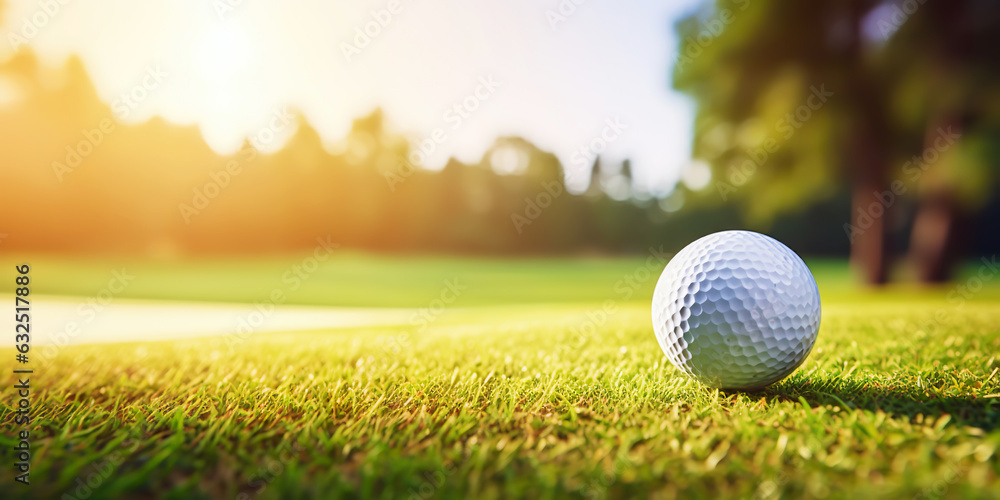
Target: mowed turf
(900,397)
(365,280)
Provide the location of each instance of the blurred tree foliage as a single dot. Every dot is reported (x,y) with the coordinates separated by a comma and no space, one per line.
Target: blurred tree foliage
(809,114)
(73,178)
(157,189)
(899,100)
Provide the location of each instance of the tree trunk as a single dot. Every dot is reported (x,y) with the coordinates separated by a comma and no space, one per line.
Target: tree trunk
(934,239)
(932,242)
(869,235)
(867,157)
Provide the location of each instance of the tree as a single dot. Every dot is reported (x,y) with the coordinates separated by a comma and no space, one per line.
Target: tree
(795,98)
(952,160)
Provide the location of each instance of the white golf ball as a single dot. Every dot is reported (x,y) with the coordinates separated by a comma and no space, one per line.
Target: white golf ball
(736,310)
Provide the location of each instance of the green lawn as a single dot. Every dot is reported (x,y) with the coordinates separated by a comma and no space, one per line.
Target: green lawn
(510,397)
(355,279)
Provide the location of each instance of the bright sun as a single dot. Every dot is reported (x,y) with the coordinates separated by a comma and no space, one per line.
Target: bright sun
(224,56)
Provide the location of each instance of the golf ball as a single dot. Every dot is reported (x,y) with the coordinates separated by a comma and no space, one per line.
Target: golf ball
(736,310)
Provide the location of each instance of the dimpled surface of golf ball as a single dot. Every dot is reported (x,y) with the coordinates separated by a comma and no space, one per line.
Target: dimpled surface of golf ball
(736,310)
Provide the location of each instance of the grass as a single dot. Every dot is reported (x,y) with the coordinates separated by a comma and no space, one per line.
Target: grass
(900,397)
(354,279)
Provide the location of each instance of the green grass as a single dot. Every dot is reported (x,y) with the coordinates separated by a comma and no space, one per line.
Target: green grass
(354,279)
(517,399)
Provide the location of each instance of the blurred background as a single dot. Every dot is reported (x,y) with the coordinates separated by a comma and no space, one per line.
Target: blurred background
(851,129)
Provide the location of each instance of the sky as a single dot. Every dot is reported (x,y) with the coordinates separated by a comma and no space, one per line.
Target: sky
(575,77)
